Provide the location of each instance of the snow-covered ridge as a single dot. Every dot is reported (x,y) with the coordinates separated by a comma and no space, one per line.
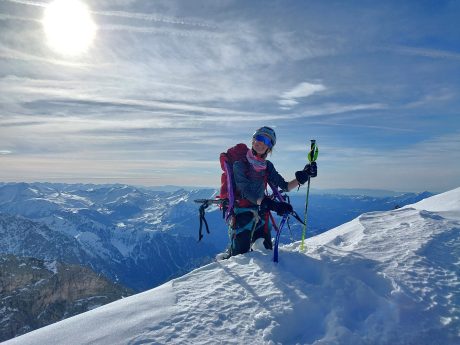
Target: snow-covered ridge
(384,278)
(445,202)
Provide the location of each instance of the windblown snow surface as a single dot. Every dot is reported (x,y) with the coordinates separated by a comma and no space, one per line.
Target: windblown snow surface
(383,278)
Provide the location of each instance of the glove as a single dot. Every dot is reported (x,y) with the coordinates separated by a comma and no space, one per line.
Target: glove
(310,170)
(281,208)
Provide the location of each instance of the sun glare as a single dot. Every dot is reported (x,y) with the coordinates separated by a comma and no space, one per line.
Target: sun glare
(69,27)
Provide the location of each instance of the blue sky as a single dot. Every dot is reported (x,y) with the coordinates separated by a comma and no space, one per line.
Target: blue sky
(167,85)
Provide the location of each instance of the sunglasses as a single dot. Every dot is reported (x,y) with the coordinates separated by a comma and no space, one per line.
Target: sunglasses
(264,139)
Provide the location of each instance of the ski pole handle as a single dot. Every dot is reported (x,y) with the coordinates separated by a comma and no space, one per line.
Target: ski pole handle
(313,154)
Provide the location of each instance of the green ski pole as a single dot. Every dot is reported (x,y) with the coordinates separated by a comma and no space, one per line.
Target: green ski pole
(312,156)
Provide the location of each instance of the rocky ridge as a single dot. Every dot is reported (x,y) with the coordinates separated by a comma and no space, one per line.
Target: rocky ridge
(35,293)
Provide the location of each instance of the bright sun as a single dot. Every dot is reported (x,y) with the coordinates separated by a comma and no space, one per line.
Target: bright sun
(68,26)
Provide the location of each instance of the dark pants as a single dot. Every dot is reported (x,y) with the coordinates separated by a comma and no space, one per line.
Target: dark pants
(241,243)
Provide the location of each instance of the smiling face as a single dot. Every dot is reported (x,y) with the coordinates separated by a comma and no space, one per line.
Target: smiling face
(260,147)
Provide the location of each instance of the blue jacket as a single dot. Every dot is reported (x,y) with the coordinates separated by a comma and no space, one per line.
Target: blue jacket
(251,184)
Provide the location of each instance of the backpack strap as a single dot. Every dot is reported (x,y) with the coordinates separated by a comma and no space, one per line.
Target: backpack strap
(242,202)
(234,194)
(267,212)
(231,194)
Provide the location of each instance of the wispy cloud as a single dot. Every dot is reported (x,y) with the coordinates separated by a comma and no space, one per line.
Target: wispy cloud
(156,18)
(335,108)
(14,54)
(4,16)
(303,90)
(162,31)
(426,52)
(30,3)
(291,97)
(437,96)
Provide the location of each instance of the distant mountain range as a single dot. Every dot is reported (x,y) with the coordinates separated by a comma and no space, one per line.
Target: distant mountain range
(360,191)
(132,236)
(140,237)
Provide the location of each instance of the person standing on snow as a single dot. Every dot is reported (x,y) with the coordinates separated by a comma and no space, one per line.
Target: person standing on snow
(251,176)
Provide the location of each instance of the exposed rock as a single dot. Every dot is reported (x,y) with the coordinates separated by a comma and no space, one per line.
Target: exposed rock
(35,293)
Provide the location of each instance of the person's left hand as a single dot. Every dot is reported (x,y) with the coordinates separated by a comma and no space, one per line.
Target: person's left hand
(281,208)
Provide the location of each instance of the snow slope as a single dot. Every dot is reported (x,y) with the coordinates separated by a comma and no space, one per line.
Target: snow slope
(384,278)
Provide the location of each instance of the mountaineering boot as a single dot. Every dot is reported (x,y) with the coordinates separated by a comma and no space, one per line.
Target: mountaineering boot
(224,256)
